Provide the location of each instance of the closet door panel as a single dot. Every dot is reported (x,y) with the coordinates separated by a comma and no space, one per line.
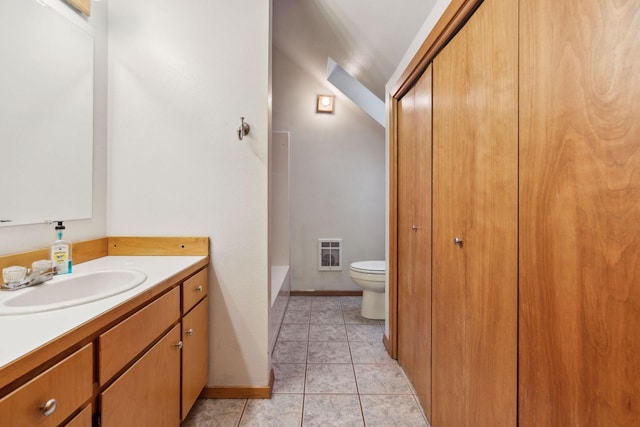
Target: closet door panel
(449,221)
(475,177)
(407,151)
(579,358)
(414,249)
(492,218)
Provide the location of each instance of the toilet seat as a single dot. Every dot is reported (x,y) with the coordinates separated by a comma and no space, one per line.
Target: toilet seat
(369,267)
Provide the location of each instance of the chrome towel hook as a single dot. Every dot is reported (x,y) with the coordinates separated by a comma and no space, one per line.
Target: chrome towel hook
(243,129)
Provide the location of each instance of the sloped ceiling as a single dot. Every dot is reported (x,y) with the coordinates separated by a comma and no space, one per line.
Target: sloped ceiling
(368,38)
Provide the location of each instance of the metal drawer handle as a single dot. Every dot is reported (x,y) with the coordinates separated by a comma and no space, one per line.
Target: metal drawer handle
(199,288)
(457,241)
(49,407)
(179,345)
(189,332)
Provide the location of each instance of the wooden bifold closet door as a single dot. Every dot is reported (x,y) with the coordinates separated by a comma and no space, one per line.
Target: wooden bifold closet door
(579,355)
(535,217)
(475,200)
(414,237)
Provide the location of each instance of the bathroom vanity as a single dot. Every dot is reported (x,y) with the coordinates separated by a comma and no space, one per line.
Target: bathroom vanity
(139,357)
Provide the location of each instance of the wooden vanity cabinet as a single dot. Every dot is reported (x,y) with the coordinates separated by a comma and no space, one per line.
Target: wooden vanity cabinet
(83,419)
(122,343)
(195,338)
(148,393)
(127,366)
(163,384)
(69,383)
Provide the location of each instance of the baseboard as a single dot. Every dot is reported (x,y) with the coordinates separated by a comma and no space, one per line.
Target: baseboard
(387,345)
(236,392)
(326,293)
(239,392)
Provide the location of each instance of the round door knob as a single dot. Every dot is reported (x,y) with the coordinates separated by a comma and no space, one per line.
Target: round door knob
(189,332)
(179,345)
(457,241)
(199,289)
(49,407)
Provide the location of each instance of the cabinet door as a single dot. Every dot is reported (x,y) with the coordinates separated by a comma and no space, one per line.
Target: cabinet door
(579,358)
(83,419)
(475,190)
(148,393)
(414,237)
(195,354)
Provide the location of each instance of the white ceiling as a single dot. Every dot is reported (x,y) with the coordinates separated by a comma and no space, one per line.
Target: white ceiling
(368,38)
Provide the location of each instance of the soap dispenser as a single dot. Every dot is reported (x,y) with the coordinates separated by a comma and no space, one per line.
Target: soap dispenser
(61,252)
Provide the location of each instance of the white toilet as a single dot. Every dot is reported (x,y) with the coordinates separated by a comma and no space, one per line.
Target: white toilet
(369,275)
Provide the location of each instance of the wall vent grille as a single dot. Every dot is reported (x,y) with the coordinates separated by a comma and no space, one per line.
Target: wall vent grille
(330,254)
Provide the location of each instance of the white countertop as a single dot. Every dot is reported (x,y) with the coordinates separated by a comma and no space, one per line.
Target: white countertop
(22,333)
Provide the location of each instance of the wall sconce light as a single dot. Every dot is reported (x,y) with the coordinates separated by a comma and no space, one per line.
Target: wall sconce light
(325,104)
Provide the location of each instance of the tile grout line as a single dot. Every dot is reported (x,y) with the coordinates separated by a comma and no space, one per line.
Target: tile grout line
(244,407)
(306,364)
(349,341)
(353,367)
(358,344)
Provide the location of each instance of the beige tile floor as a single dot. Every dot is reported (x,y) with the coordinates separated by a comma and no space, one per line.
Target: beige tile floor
(331,369)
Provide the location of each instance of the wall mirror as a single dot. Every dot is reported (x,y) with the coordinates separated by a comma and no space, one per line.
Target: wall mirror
(46,115)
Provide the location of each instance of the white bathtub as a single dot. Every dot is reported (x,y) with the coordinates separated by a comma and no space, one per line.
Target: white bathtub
(280,289)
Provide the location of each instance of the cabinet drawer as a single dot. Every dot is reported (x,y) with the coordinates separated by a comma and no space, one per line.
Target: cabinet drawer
(148,393)
(194,289)
(70,383)
(123,342)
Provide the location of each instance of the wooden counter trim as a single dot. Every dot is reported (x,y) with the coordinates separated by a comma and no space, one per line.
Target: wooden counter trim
(131,245)
(83,6)
(89,250)
(81,252)
(451,20)
(40,359)
(176,246)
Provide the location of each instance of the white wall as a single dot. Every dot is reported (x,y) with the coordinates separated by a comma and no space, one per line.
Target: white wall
(180,76)
(337,176)
(29,237)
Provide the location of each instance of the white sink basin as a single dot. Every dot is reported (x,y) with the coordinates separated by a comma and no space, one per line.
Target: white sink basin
(70,290)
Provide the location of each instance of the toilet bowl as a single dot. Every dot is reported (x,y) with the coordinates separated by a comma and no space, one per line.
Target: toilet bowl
(369,275)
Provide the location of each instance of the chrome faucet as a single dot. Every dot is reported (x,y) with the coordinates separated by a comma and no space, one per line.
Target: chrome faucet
(41,271)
